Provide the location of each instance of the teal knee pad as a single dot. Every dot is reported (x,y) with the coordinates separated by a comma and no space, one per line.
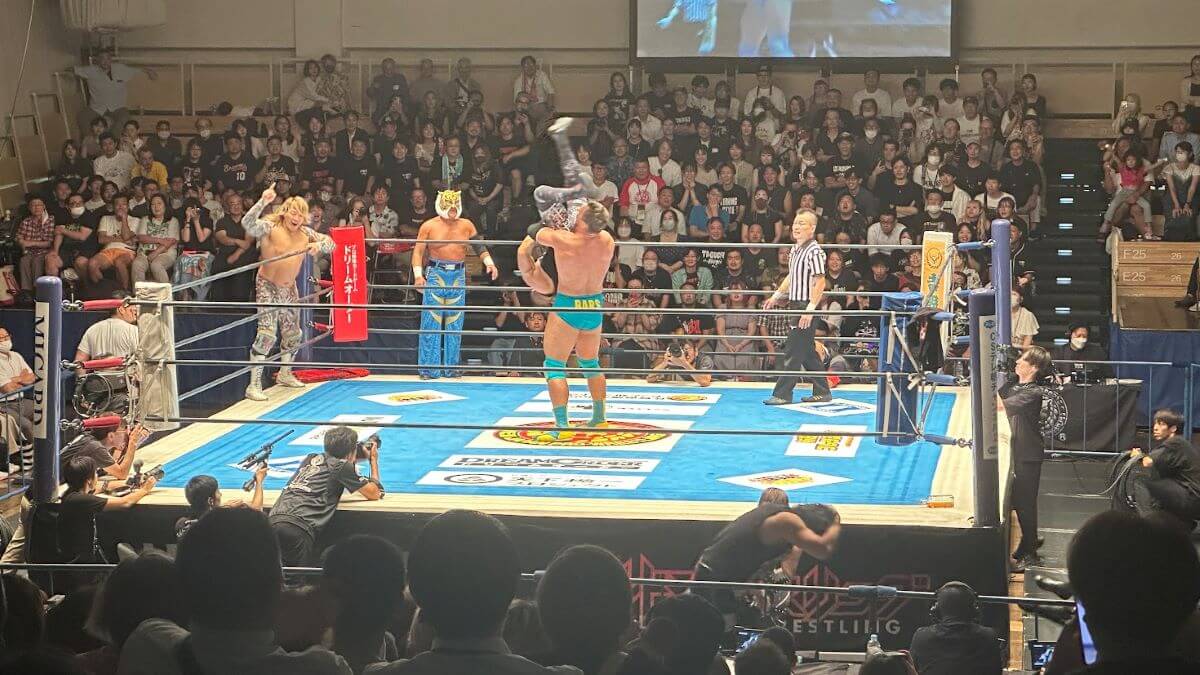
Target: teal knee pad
(590,364)
(554,369)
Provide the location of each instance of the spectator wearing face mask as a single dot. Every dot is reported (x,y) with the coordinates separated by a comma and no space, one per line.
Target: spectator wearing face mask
(1078,348)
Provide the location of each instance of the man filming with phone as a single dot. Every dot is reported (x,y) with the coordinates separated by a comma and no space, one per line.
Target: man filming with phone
(681,362)
(311,496)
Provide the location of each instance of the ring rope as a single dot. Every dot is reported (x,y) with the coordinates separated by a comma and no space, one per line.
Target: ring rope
(529,369)
(608,351)
(241,371)
(664,244)
(244,320)
(232,272)
(619,291)
(659,336)
(491,309)
(612,428)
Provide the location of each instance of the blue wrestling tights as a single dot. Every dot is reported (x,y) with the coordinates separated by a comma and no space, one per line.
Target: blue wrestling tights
(444,287)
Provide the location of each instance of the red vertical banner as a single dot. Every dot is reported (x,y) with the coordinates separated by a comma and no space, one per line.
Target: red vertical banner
(349,283)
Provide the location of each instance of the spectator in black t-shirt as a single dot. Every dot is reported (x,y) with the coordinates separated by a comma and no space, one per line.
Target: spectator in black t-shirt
(343,141)
(694,325)
(203,495)
(901,195)
(235,169)
(881,280)
(529,350)
(307,504)
(973,173)
(1021,178)
(760,215)
(167,149)
(319,168)
(683,115)
(734,200)
(356,173)
(111,448)
(653,276)
(838,277)
(398,170)
(276,166)
(734,273)
(844,219)
(194,168)
(844,160)
(865,201)
(234,248)
(957,643)
(935,218)
(76,534)
(713,257)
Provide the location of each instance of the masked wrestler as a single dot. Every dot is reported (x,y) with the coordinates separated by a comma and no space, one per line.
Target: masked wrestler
(559,208)
(441,270)
(282,232)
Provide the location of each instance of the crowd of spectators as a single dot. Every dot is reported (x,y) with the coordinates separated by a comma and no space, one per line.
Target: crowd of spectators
(686,166)
(455,604)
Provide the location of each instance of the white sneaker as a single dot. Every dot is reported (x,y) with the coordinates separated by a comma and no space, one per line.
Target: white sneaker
(560,125)
(1194,308)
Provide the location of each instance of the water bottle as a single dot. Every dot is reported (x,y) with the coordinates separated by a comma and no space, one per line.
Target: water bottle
(873,646)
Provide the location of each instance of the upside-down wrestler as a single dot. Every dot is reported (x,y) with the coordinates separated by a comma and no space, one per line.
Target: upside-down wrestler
(445,286)
(574,227)
(283,232)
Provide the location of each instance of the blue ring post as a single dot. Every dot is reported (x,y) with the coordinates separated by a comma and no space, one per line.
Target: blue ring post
(984,329)
(303,289)
(1002,274)
(890,417)
(47,374)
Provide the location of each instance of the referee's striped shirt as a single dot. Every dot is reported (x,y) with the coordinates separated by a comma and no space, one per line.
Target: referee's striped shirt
(807,260)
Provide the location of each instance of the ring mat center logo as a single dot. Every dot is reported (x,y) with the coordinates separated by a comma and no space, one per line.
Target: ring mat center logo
(584,437)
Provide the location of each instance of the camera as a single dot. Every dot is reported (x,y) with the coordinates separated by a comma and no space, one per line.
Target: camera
(675,350)
(373,439)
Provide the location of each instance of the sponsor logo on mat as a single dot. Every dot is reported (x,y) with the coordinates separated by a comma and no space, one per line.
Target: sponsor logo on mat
(619,408)
(825,440)
(568,481)
(784,479)
(360,423)
(649,395)
(644,435)
(560,463)
(838,407)
(411,397)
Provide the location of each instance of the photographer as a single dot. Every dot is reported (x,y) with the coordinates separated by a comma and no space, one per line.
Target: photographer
(1023,404)
(307,504)
(76,534)
(679,363)
(203,495)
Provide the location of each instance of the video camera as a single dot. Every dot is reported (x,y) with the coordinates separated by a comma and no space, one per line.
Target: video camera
(137,479)
(262,455)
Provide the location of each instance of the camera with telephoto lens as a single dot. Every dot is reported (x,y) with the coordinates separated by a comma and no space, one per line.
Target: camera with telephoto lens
(373,439)
(138,479)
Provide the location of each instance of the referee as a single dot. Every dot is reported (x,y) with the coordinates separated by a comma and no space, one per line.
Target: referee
(801,289)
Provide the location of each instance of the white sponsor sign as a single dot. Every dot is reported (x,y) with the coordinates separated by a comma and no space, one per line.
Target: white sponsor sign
(553,463)
(360,423)
(650,395)
(566,481)
(617,408)
(825,440)
(784,479)
(642,435)
(838,407)
(417,397)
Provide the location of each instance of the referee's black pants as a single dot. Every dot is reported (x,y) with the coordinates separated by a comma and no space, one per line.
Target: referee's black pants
(800,352)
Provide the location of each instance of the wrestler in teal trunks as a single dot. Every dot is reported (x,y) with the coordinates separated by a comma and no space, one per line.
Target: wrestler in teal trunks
(581,320)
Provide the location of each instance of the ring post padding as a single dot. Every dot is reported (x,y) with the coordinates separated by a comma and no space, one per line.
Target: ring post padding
(159,389)
(1002,274)
(896,415)
(47,379)
(984,326)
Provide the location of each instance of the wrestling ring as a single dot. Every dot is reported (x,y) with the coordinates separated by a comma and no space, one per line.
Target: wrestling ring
(916,462)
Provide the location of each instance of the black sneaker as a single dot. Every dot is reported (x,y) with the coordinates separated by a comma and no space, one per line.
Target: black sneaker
(775,400)
(817,399)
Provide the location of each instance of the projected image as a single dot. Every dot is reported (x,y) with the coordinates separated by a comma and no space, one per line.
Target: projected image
(790,28)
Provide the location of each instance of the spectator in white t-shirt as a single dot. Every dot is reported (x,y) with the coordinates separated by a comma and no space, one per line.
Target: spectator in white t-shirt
(968,124)
(534,82)
(882,98)
(108,89)
(117,235)
(607,189)
(114,164)
(907,104)
(949,105)
(1024,324)
(14,374)
(115,336)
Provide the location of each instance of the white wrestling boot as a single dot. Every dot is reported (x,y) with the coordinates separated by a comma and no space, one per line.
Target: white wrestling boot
(560,125)
(285,378)
(254,391)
